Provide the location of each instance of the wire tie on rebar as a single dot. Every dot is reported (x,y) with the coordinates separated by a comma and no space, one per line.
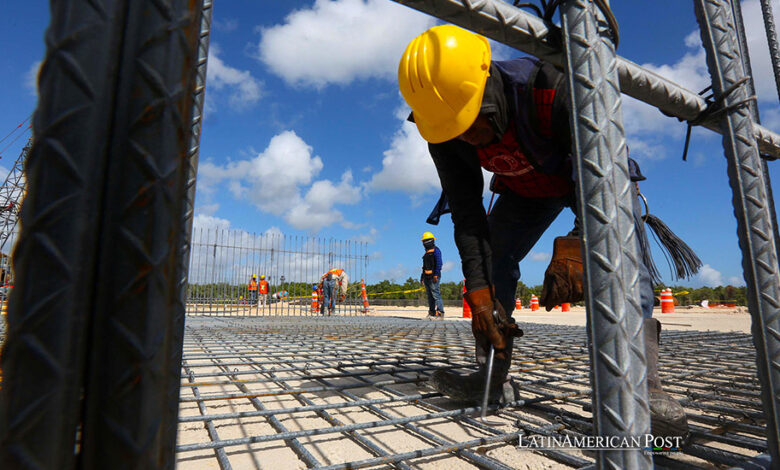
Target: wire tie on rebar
(714,109)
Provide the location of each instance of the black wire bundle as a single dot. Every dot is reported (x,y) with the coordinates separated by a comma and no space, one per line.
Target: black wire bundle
(676,251)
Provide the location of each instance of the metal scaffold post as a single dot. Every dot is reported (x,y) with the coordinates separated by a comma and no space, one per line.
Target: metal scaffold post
(610,248)
(11,195)
(754,220)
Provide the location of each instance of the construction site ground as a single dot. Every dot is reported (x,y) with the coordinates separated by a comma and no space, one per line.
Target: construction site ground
(342,392)
(279,392)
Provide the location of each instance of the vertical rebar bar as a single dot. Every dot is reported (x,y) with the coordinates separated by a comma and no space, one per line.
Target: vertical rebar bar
(175,340)
(130,405)
(771,37)
(754,222)
(49,308)
(610,249)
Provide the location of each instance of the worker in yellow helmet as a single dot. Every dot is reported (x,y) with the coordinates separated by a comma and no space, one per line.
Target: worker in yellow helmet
(431,275)
(510,118)
(252,286)
(262,291)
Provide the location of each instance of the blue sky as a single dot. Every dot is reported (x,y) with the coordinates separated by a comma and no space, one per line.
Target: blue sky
(304,130)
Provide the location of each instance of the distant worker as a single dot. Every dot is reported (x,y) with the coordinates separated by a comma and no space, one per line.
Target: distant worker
(253,290)
(280,295)
(431,274)
(333,282)
(262,288)
(315,298)
(511,118)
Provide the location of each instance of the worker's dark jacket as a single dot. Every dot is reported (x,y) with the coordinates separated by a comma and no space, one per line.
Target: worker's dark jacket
(531,159)
(432,263)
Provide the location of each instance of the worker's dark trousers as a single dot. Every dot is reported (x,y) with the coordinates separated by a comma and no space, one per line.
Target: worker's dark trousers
(517,223)
(433,291)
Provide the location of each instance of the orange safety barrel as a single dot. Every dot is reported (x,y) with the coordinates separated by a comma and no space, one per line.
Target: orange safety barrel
(667,301)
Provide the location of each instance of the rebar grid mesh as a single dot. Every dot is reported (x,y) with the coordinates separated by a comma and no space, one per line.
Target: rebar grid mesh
(352,393)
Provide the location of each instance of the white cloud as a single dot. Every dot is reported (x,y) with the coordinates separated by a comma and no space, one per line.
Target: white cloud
(31,77)
(316,209)
(338,41)
(397,273)
(369,237)
(207,209)
(448,266)
(709,276)
(540,256)
(227,24)
(208,222)
(242,89)
(407,166)
(736,281)
(275,179)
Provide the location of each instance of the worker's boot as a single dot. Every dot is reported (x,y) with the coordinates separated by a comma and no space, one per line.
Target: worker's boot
(471,387)
(667,416)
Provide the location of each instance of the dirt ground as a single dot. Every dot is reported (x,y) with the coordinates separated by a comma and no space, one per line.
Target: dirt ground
(684,318)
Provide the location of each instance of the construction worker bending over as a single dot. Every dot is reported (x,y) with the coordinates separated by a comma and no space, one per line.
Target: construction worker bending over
(334,282)
(262,288)
(431,273)
(511,118)
(253,290)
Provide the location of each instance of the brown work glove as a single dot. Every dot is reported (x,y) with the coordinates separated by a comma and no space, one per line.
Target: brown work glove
(563,278)
(484,325)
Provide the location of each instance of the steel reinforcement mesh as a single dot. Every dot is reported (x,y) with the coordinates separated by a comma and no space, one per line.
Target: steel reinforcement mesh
(340,393)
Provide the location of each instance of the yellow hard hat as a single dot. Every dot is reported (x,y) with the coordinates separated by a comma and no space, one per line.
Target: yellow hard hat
(428,236)
(254,276)
(262,276)
(442,77)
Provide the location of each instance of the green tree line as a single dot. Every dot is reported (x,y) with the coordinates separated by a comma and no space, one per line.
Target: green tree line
(412,289)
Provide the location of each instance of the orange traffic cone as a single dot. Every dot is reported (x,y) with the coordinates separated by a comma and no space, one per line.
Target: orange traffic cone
(565,307)
(518,304)
(534,303)
(466,308)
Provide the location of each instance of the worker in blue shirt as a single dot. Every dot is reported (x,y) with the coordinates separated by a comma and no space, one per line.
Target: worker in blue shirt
(431,274)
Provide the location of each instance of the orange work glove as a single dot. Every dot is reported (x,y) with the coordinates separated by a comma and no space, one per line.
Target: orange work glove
(489,327)
(563,278)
